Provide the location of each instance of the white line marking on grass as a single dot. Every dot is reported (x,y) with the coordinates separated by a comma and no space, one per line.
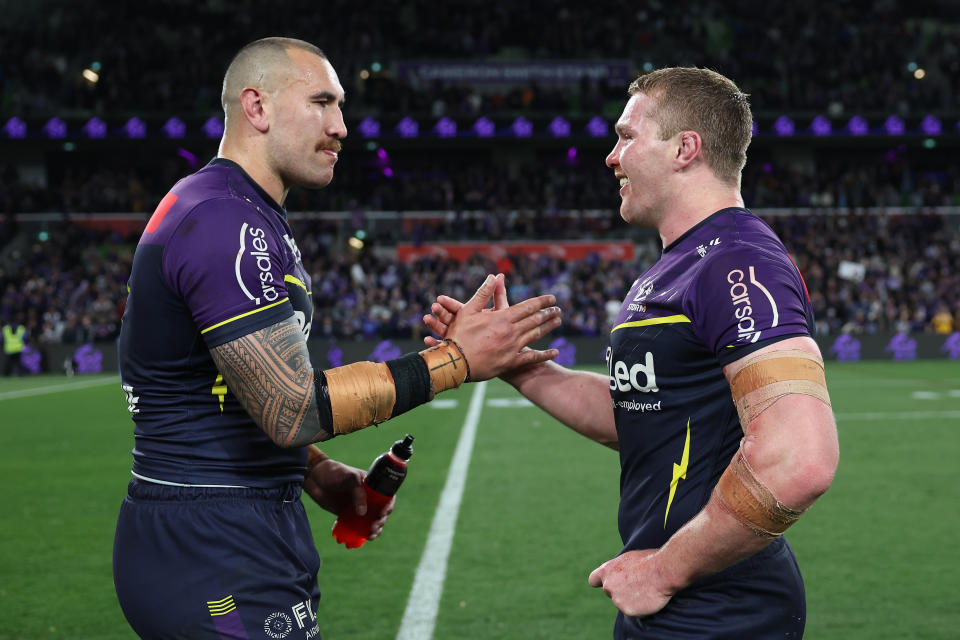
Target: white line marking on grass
(954,393)
(925,395)
(508,403)
(67,386)
(871,384)
(421,613)
(898,415)
(444,403)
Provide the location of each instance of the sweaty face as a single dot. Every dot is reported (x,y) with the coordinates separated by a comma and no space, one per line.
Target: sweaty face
(307,122)
(642,163)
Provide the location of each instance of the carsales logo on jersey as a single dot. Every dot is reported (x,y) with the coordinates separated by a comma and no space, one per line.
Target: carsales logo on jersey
(259,251)
(743,307)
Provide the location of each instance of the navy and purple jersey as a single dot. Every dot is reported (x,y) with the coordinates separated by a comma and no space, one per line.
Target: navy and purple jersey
(725,288)
(217,261)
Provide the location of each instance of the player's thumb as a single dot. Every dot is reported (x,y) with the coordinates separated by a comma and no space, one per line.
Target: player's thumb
(596,576)
(483,294)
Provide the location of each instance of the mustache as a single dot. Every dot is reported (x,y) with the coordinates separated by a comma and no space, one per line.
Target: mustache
(336,146)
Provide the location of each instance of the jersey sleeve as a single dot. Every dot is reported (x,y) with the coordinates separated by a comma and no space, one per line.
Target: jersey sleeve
(744,297)
(227,264)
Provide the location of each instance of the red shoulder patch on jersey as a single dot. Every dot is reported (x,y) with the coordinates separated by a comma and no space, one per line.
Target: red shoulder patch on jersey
(161,211)
(801,277)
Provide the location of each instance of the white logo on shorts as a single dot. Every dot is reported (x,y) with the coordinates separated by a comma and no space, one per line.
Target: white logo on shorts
(278,625)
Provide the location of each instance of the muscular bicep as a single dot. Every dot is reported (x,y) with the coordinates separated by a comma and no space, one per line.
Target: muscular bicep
(270,374)
(792,444)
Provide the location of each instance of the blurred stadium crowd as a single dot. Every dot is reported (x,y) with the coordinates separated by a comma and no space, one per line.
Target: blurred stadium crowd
(442,181)
(867,272)
(171,54)
(72,288)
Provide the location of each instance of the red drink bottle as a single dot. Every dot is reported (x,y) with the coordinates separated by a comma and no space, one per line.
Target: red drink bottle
(383,479)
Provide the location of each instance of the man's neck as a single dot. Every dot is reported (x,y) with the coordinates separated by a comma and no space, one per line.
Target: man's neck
(693,206)
(256,168)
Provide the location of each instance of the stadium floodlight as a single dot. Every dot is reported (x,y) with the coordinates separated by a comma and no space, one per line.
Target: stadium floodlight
(382,154)
(559,127)
(931,125)
(783,126)
(388,172)
(484,127)
(597,127)
(821,126)
(858,126)
(95,128)
(135,128)
(174,128)
(213,127)
(369,128)
(15,128)
(894,126)
(522,128)
(445,128)
(55,128)
(408,128)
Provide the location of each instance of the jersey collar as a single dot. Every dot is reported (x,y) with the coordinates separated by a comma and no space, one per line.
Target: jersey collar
(225,162)
(698,225)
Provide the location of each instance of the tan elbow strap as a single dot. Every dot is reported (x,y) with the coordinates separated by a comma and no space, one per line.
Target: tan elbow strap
(365,393)
(769,376)
(742,494)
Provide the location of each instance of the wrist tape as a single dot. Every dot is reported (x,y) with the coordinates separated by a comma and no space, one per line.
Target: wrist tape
(357,395)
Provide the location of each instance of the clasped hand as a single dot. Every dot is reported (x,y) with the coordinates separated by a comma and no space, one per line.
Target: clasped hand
(494,340)
(336,487)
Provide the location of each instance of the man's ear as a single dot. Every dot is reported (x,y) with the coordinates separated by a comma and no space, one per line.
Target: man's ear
(252,104)
(689,148)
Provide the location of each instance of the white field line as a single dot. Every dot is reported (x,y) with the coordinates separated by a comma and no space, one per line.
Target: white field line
(55,388)
(898,415)
(421,613)
(896,383)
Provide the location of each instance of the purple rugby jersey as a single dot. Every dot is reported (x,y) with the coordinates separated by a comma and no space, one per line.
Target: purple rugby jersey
(722,290)
(217,261)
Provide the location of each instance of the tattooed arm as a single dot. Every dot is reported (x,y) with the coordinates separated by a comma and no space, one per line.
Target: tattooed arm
(269,372)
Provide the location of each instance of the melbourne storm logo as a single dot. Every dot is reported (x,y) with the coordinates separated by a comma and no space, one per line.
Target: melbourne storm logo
(259,251)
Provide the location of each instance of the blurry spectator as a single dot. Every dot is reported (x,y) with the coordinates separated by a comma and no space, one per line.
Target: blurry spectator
(14,341)
(942,321)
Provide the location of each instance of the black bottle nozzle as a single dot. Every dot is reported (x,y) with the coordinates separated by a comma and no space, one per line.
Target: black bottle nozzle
(403,449)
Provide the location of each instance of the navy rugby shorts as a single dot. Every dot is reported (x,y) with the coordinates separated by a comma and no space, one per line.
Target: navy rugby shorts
(758,598)
(217,563)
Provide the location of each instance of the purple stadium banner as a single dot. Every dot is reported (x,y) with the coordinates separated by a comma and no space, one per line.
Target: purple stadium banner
(545,71)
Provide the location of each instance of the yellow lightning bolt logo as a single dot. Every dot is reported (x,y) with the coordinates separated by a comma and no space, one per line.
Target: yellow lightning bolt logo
(219,390)
(679,471)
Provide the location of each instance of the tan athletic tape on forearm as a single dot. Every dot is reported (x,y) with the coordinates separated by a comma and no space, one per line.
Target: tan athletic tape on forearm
(447,365)
(361,394)
(769,376)
(742,494)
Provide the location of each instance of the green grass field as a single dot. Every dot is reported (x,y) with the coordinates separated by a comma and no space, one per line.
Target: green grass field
(878,552)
